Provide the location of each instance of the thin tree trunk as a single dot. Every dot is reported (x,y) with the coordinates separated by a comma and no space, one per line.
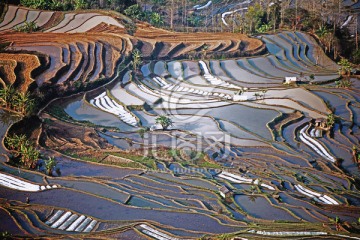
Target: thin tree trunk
(212,17)
(172,15)
(356,32)
(296,14)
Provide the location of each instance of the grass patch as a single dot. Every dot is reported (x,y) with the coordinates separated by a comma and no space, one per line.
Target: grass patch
(209,165)
(149,162)
(58,112)
(75,155)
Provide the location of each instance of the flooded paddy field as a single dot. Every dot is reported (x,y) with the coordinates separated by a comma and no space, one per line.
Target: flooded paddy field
(244,153)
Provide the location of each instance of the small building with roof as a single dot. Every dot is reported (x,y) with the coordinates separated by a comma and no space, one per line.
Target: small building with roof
(225,192)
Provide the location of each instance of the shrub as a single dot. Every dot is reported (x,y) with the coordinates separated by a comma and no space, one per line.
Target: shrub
(50,165)
(28,27)
(134,12)
(164,121)
(23,150)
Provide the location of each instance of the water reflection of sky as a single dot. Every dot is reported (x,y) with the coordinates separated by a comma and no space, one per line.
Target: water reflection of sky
(81,111)
(6,119)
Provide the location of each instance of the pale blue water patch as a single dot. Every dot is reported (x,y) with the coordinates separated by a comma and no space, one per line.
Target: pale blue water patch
(346,131)
(238,73)
(338,103)
(28,175)
(274,49)
(191,181)
(250,119)
(146,120)
(191,171)
(235,130)
(183,233)
(71,167)
(302,38)
(144,180)
(302,214)
(289,132)
(159,69)
(161,166)
(119,143)
(145,69)
(164,201)
(198,80)
(288,52)
(175,69)
(143,203)
(81,111)
(318,188)
(267,66)
(259,207)
(280,54)
(303,47)
(6,120)
(217,71)
(190,68)
(339,151)
(324,60)
(237,215)
(239,186)
(295,45)
(92,188)
(281,67)
(249,65)
(153,176)
(214,172)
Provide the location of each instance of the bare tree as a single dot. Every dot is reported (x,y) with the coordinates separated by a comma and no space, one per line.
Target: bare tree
(284,5)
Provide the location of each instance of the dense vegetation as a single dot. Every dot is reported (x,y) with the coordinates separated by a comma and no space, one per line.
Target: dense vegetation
(23,151)
(14,100)
(67,5)
(323,18)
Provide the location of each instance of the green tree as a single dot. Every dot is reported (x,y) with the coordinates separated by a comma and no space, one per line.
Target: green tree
(142,132)
(263,28)
(136,59)
(330,120)
(164,121)
(50,165)
(254,17)
(6,96)
(195,20)
(156,19)
(355,57)
(28,27)
(80,4)
(14,142)
(134,12)
(345,66)
(38,4)
(29,155)
(322,31)
(23,150)
(21,102)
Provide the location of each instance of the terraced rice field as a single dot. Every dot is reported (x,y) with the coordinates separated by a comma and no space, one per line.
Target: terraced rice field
(235,124)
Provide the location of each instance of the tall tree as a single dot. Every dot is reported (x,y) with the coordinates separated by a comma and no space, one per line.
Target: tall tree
(284,5)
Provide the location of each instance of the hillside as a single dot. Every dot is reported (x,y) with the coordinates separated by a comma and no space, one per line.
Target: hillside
(147,133)
(85,46)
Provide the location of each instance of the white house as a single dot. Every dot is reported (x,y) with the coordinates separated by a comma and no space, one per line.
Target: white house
(237,97)
(289,80)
